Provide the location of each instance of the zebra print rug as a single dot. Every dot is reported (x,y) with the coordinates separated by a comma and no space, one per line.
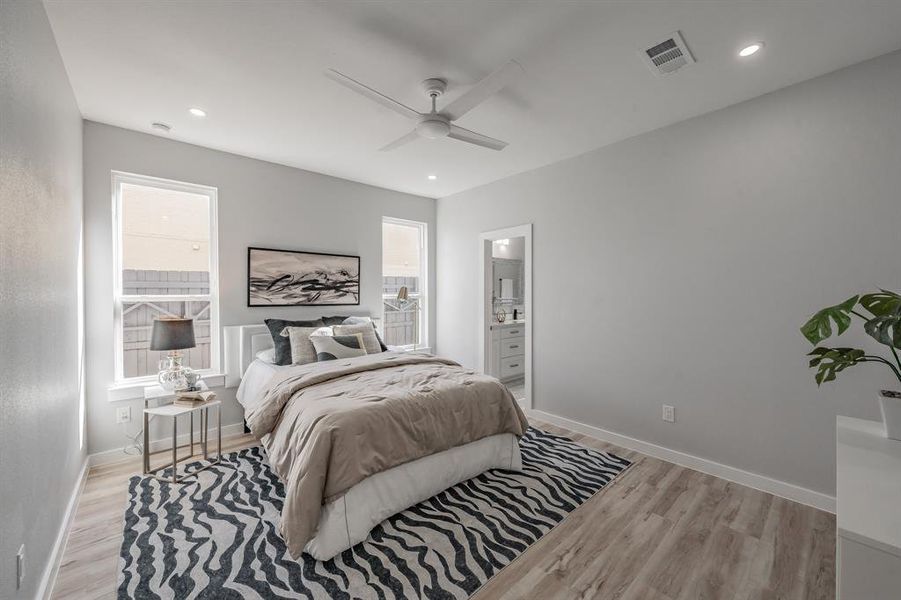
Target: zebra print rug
(217,537)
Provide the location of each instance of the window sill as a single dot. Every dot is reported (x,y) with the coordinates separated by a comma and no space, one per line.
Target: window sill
(134,389)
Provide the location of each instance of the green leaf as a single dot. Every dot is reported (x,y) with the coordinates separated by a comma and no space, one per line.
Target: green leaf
(819,327)
(882,304)
(885,326)
(830,361)
(885,330)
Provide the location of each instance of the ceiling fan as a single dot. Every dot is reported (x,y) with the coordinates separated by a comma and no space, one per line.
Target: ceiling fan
(435,124)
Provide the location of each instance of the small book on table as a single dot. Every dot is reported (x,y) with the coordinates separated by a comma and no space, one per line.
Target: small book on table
(197,398)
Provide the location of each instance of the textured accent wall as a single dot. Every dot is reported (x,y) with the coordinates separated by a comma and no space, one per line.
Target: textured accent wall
(41,452)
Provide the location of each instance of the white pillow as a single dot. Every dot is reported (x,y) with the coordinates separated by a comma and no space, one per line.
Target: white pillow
(356,320)
(267,355)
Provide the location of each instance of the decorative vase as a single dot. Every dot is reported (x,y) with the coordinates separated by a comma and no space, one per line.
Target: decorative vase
(172,373)
(890,403)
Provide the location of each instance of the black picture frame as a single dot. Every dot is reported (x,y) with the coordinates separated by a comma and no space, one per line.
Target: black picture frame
(295,288)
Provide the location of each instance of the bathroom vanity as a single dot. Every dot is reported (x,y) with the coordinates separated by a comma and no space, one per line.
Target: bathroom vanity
(508,349)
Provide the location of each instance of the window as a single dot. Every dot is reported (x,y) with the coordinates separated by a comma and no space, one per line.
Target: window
(404,264)
(165,264)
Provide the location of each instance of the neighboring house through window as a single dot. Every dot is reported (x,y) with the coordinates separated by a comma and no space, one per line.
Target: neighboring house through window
(165,264)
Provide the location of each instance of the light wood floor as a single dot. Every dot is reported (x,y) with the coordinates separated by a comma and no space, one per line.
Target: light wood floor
(658,532)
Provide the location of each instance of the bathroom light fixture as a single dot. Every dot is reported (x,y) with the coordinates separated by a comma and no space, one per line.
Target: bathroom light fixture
(197,112)
(750,49)
(504,242)
(431,177)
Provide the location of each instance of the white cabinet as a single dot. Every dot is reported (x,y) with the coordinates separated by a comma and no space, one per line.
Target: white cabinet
(508,347)
(512,347)
(512,331)
(868,511)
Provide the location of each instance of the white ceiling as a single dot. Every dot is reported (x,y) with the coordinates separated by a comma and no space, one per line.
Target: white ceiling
(256,68)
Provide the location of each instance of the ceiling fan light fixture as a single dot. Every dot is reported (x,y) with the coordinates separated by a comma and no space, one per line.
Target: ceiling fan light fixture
(433,128)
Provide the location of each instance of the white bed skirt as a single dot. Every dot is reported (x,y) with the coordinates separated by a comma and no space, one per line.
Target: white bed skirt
(348,520)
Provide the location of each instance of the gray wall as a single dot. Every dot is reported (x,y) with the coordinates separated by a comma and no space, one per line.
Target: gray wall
(260,204)
(676,267)
(40,229)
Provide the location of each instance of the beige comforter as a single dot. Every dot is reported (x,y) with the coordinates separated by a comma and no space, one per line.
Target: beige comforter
(327,426)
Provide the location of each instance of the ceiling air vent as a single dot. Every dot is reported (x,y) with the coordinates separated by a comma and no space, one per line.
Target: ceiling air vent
(668,55)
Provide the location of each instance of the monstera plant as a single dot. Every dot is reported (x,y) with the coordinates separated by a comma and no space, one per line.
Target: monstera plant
(880,313)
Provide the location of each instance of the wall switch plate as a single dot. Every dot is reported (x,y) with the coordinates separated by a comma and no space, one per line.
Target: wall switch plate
(123,414)
(669,413)
(20,566)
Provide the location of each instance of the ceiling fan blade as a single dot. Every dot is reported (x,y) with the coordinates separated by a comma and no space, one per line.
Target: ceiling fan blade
(483,90)
(465,135)
(402,141)
(365,90)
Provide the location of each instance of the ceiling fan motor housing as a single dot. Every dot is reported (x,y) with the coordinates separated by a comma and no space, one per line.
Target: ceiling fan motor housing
(433,126)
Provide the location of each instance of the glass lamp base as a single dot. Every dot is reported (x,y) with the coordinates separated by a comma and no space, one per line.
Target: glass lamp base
(172,375)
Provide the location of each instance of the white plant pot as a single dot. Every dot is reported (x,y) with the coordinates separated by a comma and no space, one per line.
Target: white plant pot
(891,415)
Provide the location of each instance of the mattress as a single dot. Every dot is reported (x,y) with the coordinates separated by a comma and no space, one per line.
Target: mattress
(348,520)
(255,379)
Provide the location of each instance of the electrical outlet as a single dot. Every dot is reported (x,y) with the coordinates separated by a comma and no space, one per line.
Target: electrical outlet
(123,414)
(20,566)
(669,413)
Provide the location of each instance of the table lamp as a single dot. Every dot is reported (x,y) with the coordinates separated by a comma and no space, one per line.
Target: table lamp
(171,334)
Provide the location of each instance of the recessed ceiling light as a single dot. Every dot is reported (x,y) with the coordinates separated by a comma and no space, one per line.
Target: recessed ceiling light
(197,112)
(431,177)
(750,49)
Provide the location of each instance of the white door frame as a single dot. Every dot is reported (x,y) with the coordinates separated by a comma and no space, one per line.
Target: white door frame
(484,298)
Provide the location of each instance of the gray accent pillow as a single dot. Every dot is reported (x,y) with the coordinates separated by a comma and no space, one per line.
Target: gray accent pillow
(338,346)
(358,320)
(370,339)
(302,350)
(281,344)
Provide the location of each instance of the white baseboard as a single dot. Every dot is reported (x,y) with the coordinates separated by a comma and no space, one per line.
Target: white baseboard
(48,578)
(118,454)
(753,480)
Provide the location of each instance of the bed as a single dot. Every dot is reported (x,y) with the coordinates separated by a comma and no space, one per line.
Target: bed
(357,440)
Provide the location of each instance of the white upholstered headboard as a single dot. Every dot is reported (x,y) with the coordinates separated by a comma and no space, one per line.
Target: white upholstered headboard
(242,342)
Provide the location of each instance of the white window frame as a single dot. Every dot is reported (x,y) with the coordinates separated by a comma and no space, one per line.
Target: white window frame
(422,295)
(131,387)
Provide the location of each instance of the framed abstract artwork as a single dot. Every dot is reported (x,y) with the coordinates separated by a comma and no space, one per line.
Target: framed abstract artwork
(293,278)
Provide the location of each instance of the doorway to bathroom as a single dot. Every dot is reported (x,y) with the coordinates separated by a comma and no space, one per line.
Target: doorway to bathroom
(505,309)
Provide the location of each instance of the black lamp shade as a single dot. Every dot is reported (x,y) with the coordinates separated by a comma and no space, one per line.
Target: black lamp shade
(172,334)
